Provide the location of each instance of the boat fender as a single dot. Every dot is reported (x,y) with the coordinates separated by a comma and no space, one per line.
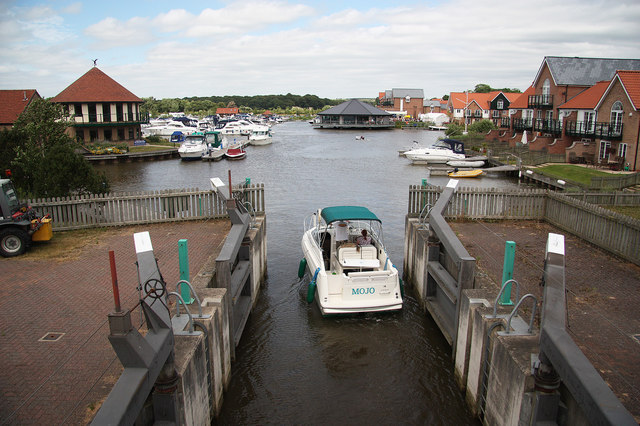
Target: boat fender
(302,267)
(311,291)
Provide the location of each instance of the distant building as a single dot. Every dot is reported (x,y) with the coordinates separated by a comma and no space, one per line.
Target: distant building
(100,109)
(402,102)
(471,107)
(227,111)
(13,103)
(353,114)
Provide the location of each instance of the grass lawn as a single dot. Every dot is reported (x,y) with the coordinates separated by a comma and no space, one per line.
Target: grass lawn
(631,211)
(150,148)
(570,172)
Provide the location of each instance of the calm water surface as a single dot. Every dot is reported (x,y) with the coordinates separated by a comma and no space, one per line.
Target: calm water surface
(293,366)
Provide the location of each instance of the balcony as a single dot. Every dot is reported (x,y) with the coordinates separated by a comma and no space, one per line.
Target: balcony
(521,124)
(547,126)
(583,129)
(541,101)
(504,122)
(91,120)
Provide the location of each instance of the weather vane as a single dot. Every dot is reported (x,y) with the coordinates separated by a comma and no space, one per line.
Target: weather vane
(95,61)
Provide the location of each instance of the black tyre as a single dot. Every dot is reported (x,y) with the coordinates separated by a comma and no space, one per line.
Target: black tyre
(13,241)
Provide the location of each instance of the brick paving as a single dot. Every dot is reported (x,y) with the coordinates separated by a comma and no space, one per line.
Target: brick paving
(603,294)
(61,382)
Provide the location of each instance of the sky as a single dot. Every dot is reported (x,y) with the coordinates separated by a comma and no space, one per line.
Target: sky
(332,49)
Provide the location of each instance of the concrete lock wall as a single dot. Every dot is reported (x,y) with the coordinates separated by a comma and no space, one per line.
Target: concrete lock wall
(504,398)
(201,388)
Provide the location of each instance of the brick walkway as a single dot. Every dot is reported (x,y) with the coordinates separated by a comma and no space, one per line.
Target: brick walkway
(603,294)
(60,382)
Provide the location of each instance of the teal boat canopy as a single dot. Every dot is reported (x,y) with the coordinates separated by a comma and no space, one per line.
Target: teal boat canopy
(338,213)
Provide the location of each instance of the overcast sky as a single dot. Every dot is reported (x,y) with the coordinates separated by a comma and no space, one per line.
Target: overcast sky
(333,49)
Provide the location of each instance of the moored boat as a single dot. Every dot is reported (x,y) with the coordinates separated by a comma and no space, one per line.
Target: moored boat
(442,151)
(215,148)
(260,135)
(235,154)
(350,269)
(464,163)
(465,173)
(193,147)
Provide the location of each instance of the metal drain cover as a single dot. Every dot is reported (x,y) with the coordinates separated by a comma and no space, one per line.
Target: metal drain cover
(51,336)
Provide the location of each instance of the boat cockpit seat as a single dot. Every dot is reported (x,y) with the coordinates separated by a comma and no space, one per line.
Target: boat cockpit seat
(365,252)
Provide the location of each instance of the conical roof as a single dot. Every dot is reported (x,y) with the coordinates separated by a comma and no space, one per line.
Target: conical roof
(95,86)
(355,107)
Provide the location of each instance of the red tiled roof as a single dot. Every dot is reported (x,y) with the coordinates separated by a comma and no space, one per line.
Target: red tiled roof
(13,102)
(587,99)
(522,100)
(95,86)
(227,110)
(631,82)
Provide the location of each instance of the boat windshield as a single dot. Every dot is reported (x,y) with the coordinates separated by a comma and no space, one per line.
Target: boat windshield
(441,145)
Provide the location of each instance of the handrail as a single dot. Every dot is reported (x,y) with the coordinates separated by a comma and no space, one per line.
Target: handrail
(193,292)
(495,304)
(515,311)
(185,308)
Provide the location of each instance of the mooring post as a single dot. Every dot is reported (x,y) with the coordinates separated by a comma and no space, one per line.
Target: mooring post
(507,271)
(183,256)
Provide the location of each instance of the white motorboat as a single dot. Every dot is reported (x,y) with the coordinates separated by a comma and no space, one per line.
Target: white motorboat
(260,135)
(237,127)
(442,151)
(193,147)
(166,130)
(348,275)
(474,164)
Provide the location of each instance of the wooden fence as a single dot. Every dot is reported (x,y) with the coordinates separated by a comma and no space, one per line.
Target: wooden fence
(611,231)
(142,207)
(615,182)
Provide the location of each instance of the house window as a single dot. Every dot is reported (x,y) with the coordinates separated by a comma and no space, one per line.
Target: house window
(616,117)
(604,149)
(130,134)
(79,135)
(130,112)
(622,150)
(121,134)
(93,135)
(92,113)
(500,104)
(496,113)
(589,121)
(108,135)
(77,110)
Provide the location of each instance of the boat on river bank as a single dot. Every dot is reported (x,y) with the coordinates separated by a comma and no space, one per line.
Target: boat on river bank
(440,152)
(350,269)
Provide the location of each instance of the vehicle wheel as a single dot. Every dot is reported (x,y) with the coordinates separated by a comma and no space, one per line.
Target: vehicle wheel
(13,242)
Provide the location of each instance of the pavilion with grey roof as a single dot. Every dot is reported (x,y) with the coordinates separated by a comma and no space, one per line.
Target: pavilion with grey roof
(353,114)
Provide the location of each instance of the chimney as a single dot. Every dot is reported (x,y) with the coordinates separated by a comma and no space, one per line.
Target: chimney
(24,95)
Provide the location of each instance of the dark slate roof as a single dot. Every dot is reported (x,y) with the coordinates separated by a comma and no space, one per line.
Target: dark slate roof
(95,86)
(585,71)
(412,93)
(354,107)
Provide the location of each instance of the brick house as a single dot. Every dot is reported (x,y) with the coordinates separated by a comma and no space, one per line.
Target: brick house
(480,106)
(402,102)
(13,103)
(100,109)
(560,109)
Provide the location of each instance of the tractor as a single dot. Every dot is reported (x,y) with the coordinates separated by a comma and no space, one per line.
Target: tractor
(19,224)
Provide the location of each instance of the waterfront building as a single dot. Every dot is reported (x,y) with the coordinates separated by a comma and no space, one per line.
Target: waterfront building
(402,102)
(353,114)
(470,107)
(13,103)
(100,109)
(584,108)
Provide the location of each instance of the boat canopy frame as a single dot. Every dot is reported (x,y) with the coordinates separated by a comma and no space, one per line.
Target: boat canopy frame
(358,218)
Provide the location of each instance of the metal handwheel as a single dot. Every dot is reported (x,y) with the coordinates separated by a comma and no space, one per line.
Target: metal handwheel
(154,288)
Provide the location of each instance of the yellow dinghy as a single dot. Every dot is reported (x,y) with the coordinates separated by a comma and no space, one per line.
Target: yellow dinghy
(465,173)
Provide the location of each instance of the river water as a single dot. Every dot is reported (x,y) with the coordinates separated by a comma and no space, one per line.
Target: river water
(293,366)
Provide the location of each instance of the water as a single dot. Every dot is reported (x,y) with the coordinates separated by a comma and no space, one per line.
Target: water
(293,366)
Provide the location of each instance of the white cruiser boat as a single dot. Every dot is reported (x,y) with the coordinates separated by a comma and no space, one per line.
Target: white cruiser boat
(346,277)
(261,135)
(238,127)
(166,130)
(193,147)
(441,152)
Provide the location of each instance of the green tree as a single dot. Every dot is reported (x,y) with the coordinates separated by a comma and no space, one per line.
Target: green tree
(46,163)
(482,126)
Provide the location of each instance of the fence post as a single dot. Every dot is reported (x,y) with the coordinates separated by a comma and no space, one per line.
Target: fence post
(507,272)
(183,256)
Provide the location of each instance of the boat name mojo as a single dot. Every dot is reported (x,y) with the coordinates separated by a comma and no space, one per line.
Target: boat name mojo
(369,290)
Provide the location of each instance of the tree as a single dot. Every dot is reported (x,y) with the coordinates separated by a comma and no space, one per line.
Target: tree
(482,88)
(45,161)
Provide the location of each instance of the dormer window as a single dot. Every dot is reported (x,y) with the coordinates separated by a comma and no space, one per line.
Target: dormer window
(500,104)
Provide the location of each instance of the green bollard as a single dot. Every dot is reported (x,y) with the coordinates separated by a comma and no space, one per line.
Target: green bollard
(183,256)
(507,272)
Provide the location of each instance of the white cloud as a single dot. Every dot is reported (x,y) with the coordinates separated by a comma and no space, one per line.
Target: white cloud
(73,8)
(111,32)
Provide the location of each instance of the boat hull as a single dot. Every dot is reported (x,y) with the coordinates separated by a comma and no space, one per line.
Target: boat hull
(465,173)
(343,293)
